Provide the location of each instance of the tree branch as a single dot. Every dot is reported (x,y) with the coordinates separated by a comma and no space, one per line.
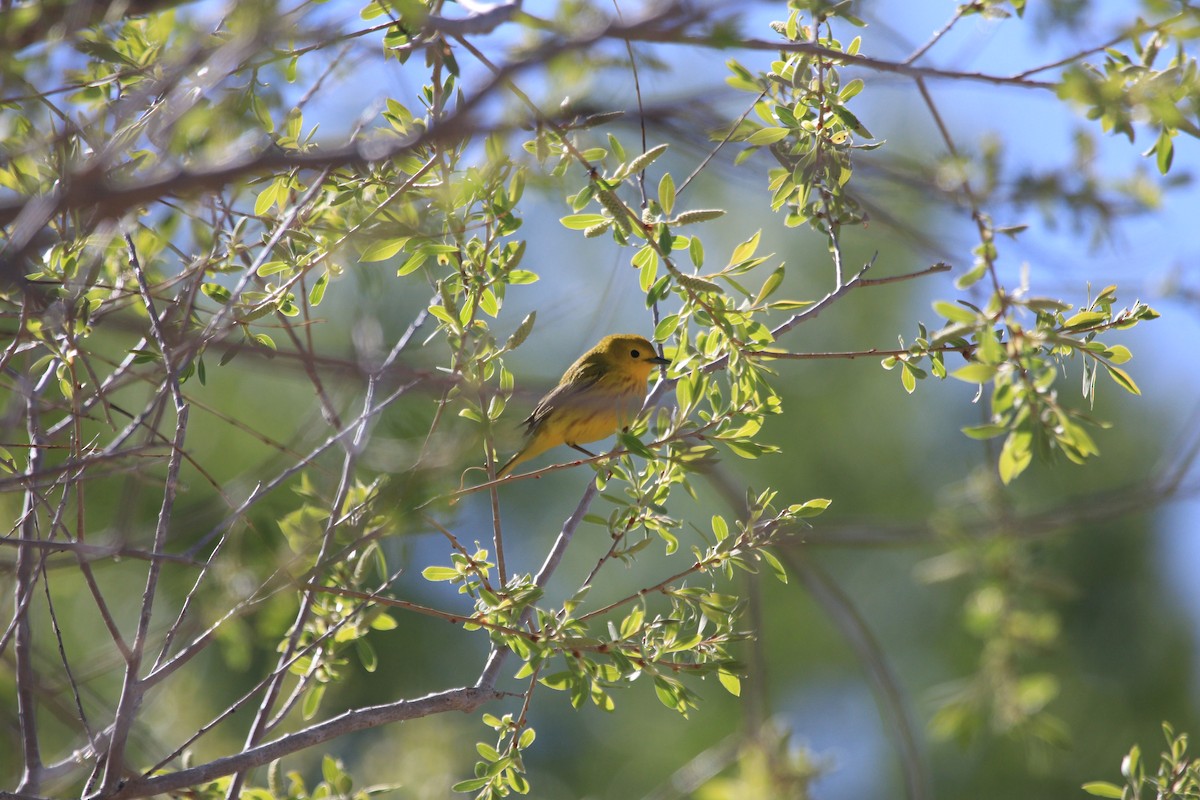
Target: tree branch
(465,699)
(60,19)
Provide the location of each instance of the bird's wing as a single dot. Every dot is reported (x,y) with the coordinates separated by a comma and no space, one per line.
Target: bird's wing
(576,381)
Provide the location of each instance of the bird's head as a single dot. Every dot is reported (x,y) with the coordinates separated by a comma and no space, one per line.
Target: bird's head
(631,354)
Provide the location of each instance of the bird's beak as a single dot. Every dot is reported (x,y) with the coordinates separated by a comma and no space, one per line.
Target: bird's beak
(659,360)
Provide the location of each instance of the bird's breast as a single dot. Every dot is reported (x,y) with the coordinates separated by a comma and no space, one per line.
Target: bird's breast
(602,413)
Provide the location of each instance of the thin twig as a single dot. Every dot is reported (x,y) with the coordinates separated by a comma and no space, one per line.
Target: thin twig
(64,661)
(908,276)
(850,355)
(939,33)
(132,689)
(23,594)
(976,215)
(637,89)
(465,699)
(728,135)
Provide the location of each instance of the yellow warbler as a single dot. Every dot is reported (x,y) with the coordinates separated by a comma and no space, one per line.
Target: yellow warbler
(599,394)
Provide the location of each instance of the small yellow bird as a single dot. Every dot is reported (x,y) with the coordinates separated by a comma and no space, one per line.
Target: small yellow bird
(599,394)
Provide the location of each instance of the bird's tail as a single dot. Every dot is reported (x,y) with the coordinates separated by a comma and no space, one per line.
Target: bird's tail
(509,465)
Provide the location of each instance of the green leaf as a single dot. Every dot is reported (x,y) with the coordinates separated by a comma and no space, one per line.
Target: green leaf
(984,431)
(1131,763)
(851,89)
(745,250)
(666,327)
(666,193)
(851,121)
(1103,789)
(954,312)
(317,293)
(578,222)
(769,285)
(266,199)
(809,508)
(696,249)
(445,316)
(1164,148)
(617,149)
(767,136)
(366,654)
(634,445)
(271,267)
(972,276)
(774,564)
(1046,304)
(435,574)
(520,277)
(791,305)
(1015,455)
(312,701)
(331,771)
(1123,380)
(731,682)
(472,785)
(558,680)
(1085,319)
(1118,354)
(667,695)
(527,737)
(217,292)
(489,304)
(745,449)
(517,781)
(384,622)
(1073,434)
(383,249)
(720,528)
(975,373)
(632,624)
(990,350)
(413,264)
(646,260)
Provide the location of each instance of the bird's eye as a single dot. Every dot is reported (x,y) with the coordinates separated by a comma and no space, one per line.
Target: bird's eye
(634,353)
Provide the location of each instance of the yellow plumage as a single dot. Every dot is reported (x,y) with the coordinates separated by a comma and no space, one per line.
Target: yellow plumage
(598,395)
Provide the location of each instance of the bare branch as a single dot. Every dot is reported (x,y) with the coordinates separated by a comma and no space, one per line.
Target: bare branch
(63,18)
(23,593)
(466,699)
